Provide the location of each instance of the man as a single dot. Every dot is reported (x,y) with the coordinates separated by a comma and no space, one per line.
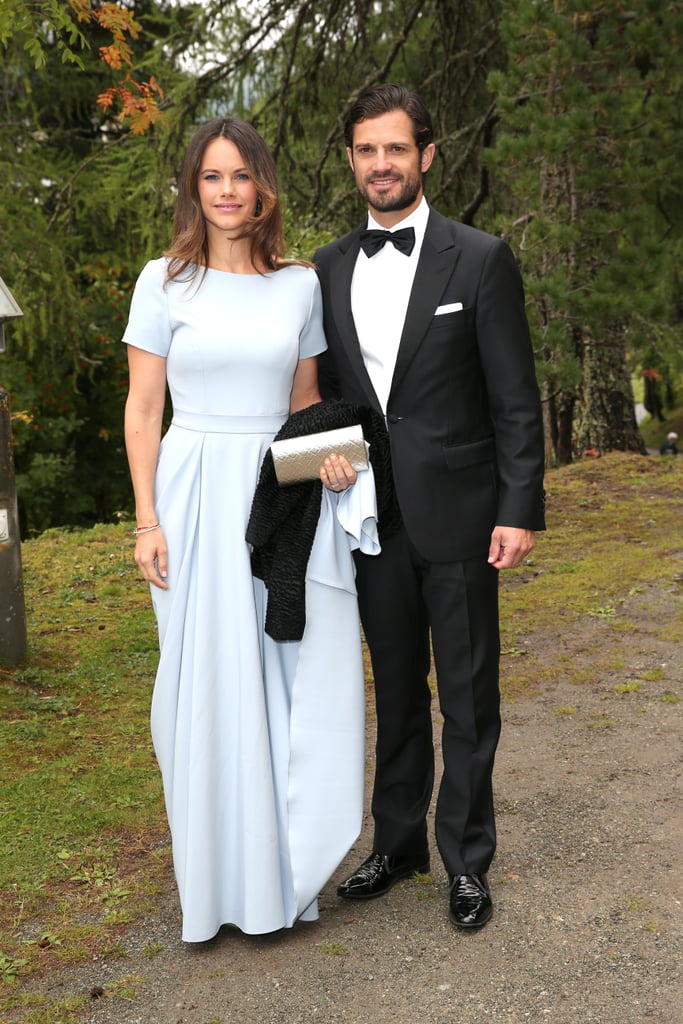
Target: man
(669,446)
(434,335)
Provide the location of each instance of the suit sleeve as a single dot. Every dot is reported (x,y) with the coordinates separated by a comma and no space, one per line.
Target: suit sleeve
(508,362)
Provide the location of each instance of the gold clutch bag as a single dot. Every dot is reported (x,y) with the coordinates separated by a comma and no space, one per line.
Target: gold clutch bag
(299,458)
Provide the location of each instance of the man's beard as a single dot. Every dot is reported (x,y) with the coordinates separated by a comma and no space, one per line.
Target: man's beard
(392,201)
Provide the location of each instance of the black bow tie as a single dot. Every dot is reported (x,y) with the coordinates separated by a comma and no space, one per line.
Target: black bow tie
(372,241)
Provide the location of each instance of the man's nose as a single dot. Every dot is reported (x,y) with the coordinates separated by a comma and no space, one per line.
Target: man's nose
(382,161)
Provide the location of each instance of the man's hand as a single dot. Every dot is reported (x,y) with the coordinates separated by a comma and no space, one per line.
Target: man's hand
(509,545)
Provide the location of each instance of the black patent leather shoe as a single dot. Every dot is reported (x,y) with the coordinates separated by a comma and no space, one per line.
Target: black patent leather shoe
(378,874)
(470,903)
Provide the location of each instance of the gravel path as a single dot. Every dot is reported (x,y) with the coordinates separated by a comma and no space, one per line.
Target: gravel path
(586,884)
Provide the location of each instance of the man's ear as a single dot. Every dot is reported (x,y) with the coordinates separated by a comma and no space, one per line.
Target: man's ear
(427,157)
(349,153)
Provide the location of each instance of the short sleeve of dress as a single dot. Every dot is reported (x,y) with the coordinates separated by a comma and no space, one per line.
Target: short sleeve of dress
(149,326)
(312,338)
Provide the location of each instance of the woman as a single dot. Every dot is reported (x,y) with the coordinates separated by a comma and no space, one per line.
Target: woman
(249,733)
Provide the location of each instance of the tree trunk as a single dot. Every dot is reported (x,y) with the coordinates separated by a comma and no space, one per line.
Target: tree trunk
(549,424)
(565,423)
(605,414)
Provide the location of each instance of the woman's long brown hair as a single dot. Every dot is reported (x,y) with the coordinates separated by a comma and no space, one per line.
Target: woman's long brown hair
(189,249)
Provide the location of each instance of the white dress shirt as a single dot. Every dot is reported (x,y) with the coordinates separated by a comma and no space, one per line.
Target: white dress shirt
(380,290)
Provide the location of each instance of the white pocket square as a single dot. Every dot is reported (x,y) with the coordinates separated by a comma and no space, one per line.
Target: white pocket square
(452,307)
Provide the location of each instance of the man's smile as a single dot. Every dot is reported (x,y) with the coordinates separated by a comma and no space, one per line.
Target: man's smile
(384,181)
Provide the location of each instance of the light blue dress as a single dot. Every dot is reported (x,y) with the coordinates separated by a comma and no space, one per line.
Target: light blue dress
(260,744)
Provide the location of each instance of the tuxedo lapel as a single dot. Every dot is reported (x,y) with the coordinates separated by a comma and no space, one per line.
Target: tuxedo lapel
(438,257)
(342,315)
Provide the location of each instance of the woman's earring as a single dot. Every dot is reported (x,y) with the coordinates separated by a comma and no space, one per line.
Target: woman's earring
(259,206)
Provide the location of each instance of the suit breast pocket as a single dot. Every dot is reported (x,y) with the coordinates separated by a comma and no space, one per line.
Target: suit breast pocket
(456,320)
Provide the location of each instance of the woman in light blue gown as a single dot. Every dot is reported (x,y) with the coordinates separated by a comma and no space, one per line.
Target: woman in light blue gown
(260,743)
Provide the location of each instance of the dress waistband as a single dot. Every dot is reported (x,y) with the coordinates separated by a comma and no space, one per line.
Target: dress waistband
(207,424)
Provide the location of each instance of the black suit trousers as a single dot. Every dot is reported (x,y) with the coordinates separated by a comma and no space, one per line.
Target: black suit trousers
(403,601)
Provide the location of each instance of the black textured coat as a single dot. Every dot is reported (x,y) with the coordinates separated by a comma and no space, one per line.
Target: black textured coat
(283,520)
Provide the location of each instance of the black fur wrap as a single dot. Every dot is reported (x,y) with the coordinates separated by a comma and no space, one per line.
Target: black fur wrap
(283,520)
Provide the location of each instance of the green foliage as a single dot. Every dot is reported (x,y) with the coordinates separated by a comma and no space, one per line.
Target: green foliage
(590,147)
(67,410)
(43,25)
(73,194)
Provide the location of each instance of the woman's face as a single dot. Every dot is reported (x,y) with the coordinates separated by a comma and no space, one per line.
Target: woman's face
(226,192)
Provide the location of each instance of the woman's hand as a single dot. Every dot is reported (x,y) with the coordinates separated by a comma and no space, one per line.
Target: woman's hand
(337,473)
(152,557)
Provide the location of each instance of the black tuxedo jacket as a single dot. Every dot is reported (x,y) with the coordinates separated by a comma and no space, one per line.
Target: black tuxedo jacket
(463,414)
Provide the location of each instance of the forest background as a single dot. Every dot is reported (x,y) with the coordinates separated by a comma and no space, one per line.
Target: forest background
(559,125)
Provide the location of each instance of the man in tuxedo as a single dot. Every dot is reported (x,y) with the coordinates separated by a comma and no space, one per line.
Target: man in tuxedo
(425,321)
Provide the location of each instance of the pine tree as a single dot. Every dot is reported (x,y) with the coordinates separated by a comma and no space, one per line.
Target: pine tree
(74,183)
(587,145)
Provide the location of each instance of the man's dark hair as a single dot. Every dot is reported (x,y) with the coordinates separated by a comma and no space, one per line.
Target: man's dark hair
(382,99)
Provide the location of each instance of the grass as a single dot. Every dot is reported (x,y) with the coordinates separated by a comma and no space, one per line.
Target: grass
(81,804)
(614,533)
(83,837)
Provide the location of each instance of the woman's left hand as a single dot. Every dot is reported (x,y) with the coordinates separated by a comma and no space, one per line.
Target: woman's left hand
(337,473)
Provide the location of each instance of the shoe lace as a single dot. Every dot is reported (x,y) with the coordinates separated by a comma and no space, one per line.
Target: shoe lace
(369,868)
(466,888)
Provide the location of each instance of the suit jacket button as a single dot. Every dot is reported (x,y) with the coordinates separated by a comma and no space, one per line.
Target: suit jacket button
(393,418)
